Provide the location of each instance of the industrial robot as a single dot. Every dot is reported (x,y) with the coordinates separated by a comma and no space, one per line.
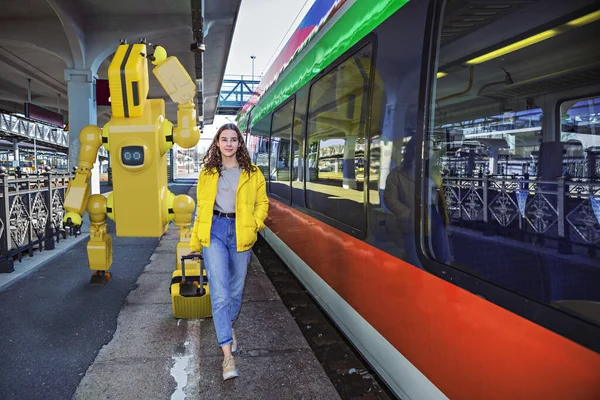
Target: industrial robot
(138,137)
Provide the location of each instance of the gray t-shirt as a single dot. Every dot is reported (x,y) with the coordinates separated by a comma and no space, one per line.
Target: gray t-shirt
(226,189)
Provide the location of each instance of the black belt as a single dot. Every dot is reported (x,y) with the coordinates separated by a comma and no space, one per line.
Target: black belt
(222,214)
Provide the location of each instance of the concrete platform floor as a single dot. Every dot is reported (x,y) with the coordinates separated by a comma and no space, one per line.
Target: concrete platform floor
(152,355)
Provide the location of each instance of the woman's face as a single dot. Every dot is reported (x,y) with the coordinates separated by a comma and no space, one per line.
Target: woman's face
(228,143)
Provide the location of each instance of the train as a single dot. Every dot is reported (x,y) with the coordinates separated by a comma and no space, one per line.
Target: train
(433,172)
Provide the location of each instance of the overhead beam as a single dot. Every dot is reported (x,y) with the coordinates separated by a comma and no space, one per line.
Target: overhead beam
(73,24)
(219,34)
(104,33)
(19,102)
(23,68)
(48,36)
(198,36)
(218,44)
(215,20)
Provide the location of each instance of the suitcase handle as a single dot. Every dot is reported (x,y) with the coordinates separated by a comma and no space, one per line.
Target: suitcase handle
(200,257)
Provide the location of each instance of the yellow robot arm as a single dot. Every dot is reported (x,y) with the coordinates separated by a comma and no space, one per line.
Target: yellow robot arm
(181,88)
(186,134)
(78,191)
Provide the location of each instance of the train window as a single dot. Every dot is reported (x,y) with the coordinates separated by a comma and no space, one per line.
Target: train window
(580,131)
(258,144)
(281,151)
(297,152)
(511,186)
(337,118)
(393,123)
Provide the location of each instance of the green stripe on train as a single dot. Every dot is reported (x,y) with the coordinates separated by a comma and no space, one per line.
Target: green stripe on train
(360,19)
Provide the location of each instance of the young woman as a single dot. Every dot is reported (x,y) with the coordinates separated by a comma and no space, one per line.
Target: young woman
(232,207)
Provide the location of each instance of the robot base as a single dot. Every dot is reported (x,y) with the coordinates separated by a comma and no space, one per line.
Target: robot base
(99,250)
(99,278)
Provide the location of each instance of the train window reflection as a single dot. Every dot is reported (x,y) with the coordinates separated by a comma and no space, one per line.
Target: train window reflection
(258,145)
(46,157)
(280,150)
(393,125)
(580,131)
(297,157)
(337,119)
(512,189)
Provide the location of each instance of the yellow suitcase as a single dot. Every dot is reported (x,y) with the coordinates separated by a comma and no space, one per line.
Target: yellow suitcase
(190,295)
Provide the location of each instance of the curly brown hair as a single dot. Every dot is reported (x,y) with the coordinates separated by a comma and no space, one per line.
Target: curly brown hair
(212,160)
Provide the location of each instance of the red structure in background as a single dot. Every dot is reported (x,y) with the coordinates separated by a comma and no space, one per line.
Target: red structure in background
(102,92)
(42,114)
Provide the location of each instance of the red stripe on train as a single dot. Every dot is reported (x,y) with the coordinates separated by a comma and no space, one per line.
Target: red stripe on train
(468,347)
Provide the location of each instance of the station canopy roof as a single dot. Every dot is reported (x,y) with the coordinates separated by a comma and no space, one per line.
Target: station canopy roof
(40,39)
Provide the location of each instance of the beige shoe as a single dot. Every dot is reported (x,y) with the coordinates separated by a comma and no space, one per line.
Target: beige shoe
(229,370)
(234,344)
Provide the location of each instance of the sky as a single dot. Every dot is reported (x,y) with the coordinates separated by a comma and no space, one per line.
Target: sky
(261,26)
(262,29)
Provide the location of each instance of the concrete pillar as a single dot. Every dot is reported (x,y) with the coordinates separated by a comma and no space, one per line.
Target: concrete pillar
(17,160)
(82,112)
(348,165)
(299,161)
(175,161)
(386,142)
(392,133)
(35,156)
(493,161)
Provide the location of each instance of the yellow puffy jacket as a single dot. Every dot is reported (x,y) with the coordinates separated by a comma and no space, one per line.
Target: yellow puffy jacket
(251,208)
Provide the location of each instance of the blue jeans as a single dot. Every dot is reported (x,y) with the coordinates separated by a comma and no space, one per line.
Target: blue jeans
(226,270)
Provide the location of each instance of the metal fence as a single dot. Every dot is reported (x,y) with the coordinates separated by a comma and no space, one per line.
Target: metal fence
(562,210)
(31,212)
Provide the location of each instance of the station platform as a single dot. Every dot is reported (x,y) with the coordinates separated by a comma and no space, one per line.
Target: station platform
(141,350)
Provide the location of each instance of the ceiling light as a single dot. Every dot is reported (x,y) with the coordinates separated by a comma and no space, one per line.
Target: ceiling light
(595,16)
(540,37)
(514,47)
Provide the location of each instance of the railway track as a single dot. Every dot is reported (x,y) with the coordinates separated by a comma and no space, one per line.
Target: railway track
(350,374)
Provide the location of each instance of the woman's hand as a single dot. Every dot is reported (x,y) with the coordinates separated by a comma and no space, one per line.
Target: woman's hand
(195,254)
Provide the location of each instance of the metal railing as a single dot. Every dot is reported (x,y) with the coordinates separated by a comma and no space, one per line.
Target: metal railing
(31,212)
(561,210)
(30,129)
